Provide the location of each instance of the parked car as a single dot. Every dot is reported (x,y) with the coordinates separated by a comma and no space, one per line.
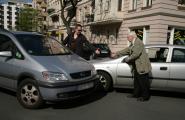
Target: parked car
(168,69)
(40,69)
(104,50)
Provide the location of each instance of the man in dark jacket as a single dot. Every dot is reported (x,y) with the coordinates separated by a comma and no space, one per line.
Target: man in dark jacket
(78,43)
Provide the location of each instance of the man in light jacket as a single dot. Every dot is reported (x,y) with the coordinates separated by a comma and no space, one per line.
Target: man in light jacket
(140,66)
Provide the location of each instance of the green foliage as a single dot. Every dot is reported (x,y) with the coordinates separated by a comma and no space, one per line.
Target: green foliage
(27,20)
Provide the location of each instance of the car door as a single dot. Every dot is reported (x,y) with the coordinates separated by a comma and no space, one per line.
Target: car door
(124,76)
(160,66)
(160,69)
(8,67)
(177,69)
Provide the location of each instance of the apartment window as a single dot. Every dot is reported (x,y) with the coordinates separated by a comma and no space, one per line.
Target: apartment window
(176,36)
(80,15)
(133,4)
(100,6)
(181,2)
(107,5)
(142,33)
(120,2)
(147,3)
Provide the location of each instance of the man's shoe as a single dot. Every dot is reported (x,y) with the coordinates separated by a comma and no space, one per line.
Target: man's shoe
(141,99)
(132,96)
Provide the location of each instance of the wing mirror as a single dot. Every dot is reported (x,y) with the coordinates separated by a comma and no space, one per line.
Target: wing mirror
(6,54)
(123,59)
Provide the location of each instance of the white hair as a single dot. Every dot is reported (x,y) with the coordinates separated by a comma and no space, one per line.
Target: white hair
(132,33)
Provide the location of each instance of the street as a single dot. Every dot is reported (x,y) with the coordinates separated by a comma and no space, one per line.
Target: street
(99,106)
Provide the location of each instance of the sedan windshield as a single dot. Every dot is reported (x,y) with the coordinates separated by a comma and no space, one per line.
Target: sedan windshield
(41,46)
(102,46)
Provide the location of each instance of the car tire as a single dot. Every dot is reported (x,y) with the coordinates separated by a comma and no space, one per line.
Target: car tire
(29,95)
(105,80)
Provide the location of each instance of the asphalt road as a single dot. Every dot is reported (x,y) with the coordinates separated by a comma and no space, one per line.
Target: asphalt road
(99,106)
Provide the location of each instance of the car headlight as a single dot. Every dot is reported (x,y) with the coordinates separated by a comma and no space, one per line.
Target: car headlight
(93,71)
(52,76)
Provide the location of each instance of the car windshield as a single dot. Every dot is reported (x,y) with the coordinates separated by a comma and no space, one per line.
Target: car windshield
(41,46)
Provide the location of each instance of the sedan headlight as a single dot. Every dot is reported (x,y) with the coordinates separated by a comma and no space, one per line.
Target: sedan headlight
(52,76)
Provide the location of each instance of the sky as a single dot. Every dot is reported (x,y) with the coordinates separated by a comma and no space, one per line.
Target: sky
(4,1)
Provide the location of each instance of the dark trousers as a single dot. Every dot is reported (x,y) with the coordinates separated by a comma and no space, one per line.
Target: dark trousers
(141,85)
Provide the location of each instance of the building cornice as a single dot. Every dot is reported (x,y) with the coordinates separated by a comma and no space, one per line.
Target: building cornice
(155,14)
(104,22)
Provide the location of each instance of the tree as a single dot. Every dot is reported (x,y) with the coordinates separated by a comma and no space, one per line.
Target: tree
(27,19)
(71,13)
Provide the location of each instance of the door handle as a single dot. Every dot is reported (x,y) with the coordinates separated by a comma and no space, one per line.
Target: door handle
(163,68)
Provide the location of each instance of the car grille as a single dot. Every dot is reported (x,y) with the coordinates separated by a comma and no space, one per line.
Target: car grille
(79,75)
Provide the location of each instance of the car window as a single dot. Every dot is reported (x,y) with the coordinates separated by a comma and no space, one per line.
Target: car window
(178,55)
(6,44)
(157,54)
(41,46)
(102,46)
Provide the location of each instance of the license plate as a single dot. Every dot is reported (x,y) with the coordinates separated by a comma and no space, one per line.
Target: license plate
(104,52)
(85,86)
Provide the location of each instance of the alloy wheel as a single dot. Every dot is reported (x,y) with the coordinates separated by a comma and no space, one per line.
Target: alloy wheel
(29,94)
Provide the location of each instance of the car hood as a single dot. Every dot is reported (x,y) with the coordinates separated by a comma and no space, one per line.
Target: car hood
(107,60)
(63,63)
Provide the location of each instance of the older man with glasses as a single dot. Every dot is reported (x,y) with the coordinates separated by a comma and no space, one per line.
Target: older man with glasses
(140,66)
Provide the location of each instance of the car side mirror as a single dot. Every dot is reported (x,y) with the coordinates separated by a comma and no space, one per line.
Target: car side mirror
(123,61)
(6,54)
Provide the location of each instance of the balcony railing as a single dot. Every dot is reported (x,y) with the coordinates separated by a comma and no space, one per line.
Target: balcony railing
(39,1)
(1,9)
(90,18)
(44,14)
(43,5)
(9,17)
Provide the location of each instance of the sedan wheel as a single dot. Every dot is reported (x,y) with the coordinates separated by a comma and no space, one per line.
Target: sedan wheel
(28,94)
(105,81)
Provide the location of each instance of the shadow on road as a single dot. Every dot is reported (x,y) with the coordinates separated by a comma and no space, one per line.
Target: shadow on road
(157,93)
(95,96)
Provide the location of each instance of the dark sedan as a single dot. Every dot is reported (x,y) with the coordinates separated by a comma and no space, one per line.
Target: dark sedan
(104,50)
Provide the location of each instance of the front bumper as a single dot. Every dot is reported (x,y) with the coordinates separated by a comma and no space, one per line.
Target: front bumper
(72,90)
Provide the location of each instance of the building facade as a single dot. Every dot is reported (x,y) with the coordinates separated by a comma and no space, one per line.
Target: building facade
(109,21)
(54,19)
(41,7)
(154,21)
(85,15)
(108,18)
(57,28)
(9,14)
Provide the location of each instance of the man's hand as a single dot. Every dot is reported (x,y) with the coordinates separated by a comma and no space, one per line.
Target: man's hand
(97,52)
(126,59)
(113,55)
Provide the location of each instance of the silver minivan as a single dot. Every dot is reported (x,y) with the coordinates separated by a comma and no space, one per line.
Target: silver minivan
(40,69)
